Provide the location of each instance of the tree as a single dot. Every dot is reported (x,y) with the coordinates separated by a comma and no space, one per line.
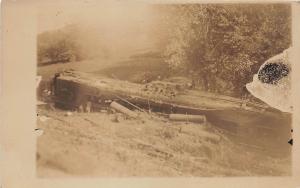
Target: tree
(227,42)
(59,46)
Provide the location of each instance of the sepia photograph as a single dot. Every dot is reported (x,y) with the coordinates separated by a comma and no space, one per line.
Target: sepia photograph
(157,89)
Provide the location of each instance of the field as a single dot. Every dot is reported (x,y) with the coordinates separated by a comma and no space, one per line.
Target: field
(101,144)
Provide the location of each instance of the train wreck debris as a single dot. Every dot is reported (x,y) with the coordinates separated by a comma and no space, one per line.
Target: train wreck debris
(73,89)
(90,92)
(123,109)
(188,118)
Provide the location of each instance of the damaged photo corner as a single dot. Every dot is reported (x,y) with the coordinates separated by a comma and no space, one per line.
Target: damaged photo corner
(150,93)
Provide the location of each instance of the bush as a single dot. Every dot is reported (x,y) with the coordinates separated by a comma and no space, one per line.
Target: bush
(58,46)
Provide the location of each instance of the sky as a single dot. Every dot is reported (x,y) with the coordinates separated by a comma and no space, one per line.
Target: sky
(122,25)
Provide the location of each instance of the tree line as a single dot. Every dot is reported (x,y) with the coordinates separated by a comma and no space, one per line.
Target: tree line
(223,45)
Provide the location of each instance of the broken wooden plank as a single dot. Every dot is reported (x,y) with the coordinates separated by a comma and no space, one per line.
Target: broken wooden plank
(123,110)
(188,118)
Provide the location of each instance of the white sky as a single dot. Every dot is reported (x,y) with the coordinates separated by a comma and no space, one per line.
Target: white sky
(123,24)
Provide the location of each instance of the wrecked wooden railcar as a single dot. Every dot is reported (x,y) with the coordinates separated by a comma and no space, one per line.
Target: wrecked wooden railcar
(76,88)
(252,122)
(73,89)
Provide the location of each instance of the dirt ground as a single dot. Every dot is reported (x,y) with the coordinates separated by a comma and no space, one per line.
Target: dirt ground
(110,145)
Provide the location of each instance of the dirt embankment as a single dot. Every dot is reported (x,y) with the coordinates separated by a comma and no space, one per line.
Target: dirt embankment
(104,144)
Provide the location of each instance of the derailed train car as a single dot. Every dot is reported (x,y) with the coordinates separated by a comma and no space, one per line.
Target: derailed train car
(259,126)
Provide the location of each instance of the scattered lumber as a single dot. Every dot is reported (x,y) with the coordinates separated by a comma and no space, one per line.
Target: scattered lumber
(123,110)
(188,118)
